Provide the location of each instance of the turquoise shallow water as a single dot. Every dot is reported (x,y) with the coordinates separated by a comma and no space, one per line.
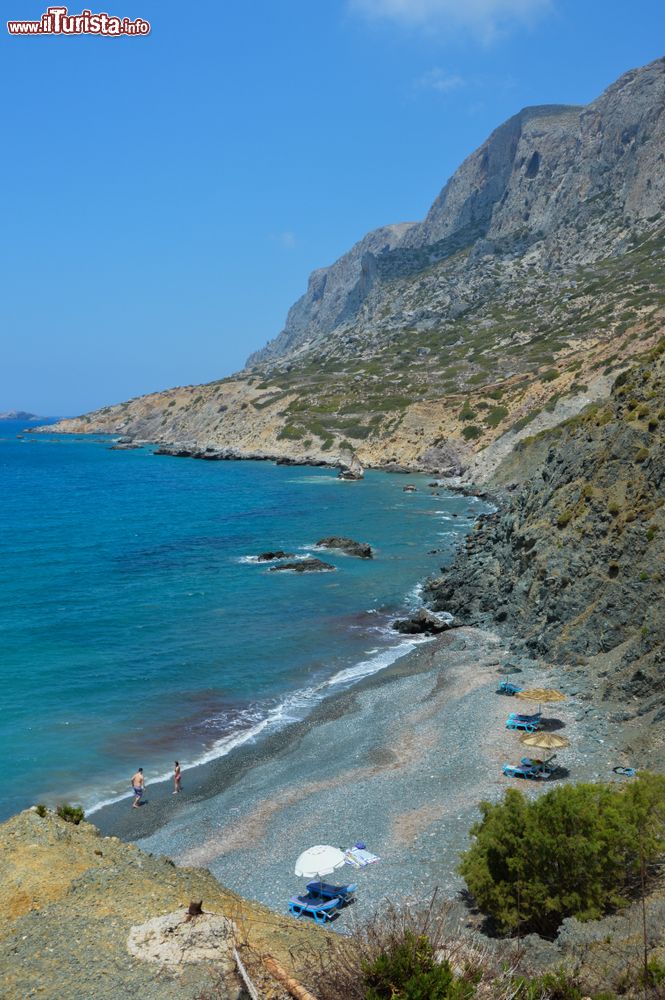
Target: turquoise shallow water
(135,628)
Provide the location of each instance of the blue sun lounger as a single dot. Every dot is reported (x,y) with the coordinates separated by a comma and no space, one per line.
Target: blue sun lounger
(326,891)
(536,770)
(529,723)
(313,905)
(507,687)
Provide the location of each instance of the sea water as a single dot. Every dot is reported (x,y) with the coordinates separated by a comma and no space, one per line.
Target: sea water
(137,627)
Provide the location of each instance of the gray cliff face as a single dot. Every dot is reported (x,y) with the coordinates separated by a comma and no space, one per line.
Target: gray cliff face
(570,181)
(331,295)
(574,562)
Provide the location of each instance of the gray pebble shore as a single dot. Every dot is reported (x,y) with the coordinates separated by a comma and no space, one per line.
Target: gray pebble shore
(400,762)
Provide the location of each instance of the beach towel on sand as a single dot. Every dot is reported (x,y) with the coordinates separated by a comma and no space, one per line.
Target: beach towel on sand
(358,858)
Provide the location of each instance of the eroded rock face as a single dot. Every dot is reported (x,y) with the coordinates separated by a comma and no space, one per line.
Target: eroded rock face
(361,549)
(175,939)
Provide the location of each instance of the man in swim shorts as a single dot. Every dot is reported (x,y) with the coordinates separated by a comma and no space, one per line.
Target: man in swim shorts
(138,787)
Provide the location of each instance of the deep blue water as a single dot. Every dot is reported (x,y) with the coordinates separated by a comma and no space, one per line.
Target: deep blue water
(134,629)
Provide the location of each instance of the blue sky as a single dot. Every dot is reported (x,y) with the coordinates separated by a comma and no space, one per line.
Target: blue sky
(165,197)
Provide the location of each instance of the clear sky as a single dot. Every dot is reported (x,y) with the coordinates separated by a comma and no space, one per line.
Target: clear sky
(165,197)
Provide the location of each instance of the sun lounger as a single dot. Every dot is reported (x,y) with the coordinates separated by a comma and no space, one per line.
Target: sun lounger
(326,891)
(313,905)
(524,771)
(507,687)
(529,723)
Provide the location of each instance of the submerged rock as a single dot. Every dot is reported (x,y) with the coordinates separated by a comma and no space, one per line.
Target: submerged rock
(422,623)
(304,566)
(361,549)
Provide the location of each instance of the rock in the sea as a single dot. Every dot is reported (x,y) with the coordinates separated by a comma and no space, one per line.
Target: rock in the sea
(277,554)
(422,623)
(351,470)
(409,489)
(303,566)
(361,549)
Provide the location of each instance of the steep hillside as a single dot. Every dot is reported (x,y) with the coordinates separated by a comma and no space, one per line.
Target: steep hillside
(70,899)
(535,276)
(575,563)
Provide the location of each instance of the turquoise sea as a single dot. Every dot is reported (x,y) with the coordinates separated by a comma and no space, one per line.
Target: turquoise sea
(136,628)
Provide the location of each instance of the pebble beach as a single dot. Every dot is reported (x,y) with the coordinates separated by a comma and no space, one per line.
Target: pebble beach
(400,762)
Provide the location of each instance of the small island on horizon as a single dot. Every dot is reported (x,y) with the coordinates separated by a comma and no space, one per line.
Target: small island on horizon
(20,415)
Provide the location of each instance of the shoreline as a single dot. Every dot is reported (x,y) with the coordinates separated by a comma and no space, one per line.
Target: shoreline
(209,453)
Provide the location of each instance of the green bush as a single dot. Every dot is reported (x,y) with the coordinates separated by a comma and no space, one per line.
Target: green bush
(410,972)
(496,415)
(471,433)
(553,985)
(571,852)
(642,455)
(550,375)
(41,810)
(466,413)
(70,814)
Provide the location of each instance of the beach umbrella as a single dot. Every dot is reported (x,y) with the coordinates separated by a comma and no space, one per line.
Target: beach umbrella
(319,861)
(544,741)
(541,694)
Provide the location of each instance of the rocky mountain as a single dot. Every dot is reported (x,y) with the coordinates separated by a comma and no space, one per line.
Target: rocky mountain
(574,563)
(535,277)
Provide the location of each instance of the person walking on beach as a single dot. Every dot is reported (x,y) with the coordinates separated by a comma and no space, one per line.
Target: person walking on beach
(138,787)
(176,778)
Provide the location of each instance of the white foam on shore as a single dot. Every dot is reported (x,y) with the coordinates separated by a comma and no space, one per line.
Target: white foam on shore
(293,708)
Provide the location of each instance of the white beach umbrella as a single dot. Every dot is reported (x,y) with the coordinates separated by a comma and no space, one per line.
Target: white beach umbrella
(319,861)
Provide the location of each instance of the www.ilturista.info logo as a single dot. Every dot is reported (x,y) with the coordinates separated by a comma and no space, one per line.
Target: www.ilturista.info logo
(58,21)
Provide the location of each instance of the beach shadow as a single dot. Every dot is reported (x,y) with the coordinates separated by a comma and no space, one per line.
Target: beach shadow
(560,774)
(551,725)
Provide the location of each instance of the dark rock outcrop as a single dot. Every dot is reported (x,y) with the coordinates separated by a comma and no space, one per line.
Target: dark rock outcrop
(303,566)
(277,554)
(422,623)
(361,549)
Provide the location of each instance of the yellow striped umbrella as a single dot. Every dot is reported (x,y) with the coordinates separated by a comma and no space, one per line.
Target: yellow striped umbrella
(541,694)
(544,741)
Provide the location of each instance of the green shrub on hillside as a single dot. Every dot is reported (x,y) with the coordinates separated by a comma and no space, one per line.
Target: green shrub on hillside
(409,971)
(471,433)
(572,852)
(496,415)
(70,814)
